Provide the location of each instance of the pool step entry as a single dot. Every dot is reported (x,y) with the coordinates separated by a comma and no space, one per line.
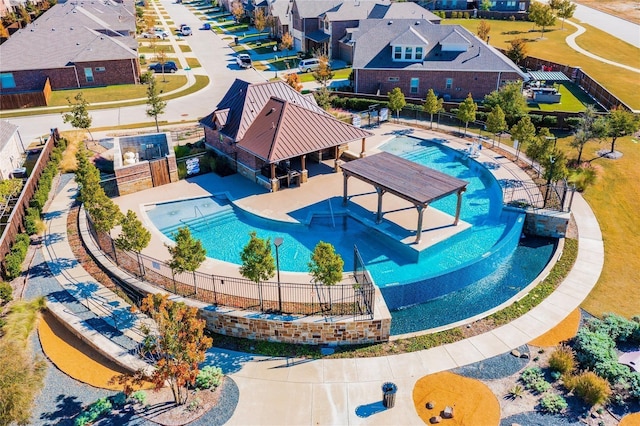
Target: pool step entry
(200,223)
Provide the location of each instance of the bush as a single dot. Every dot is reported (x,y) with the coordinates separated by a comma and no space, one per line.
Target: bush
(209,377)
(572,122)
(618,328)
(589,387)
(549,121)
(31,220)
(119,399)
(13,265)
(553,404)
(6,293)
(562,360)
(96,410)
(533,379)
(139,397)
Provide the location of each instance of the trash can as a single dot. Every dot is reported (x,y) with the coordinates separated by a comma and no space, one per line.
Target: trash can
(389,394)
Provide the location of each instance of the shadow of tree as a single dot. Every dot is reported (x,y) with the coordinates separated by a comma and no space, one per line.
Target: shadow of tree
(67,407)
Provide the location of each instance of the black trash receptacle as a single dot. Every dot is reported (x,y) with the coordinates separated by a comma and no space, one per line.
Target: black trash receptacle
(389,394)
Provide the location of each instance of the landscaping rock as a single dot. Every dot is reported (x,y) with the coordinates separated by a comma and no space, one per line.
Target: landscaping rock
(430,405)
(524,356)
(447,413)
(516,353)
(435,419)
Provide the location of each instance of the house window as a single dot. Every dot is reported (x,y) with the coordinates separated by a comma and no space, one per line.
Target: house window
(7,81)
(326,25)
(449,84)
(415,83)
(88,74)
(522,6)
(511,4)
(397,52)
(408,53)
(419,52)
(100,69)
(394,79)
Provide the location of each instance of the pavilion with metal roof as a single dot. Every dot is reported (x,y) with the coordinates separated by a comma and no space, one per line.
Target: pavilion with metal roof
(548,76)
(413,182)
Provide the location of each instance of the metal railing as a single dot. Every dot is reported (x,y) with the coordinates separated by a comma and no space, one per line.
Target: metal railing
(351,300)
(556,196)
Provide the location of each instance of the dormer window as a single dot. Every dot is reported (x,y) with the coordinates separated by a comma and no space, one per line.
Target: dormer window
(409,46)
(397,53)
(408,53)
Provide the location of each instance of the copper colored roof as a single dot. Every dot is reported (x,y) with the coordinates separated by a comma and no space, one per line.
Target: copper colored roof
(283,130)
(243,101)
(416,183)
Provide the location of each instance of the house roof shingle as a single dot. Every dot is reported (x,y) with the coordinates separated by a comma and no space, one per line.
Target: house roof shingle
(284,130)
(7,130)
(373,48)
(315,8)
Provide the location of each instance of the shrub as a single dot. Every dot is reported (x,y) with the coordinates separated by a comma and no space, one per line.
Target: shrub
(139,397)
(619,328)
(13,265)
(572,122)
(6,293)
(562,360)
(31,220)
(119,399)
(553,404)
(533,379)
(96,410)
(550,121)
(515,392)
(591,388)
(209,377)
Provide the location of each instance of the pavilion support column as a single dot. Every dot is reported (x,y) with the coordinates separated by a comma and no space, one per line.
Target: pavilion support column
(421,210)
(458,205)
(362,148)
(345,191)
(275,184)
(304,175)
(380,192)
(336,163)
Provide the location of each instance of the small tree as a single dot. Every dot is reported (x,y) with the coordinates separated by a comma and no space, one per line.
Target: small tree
(542,15)
(496,122)
(259,19)
(323,98)
(133,235)
(589,128)
(467,112)
(4,33)
(326,265)
(156,105)
(257,262)
(104,213)
(396,101)
(540,147)
(517,50)
(237,10)
(293,80)
(620,122)
(178,347)
(563,8)
(187,254)
(523,131)
(285,44)
(79,115)
(510,99)
(161,57)
(485,5)
(432,105)
(323,73)
(483,30)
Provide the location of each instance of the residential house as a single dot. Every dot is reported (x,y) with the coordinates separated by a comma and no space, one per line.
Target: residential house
(416,55)
(279,12)
(270,132)
(304,22)
(72,45)
(11,149)
(496,5)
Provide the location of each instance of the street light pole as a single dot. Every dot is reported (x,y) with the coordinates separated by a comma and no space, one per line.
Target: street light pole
(278,242)
(552,160)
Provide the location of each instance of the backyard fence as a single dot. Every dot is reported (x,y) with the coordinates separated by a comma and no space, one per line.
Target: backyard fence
(352,300)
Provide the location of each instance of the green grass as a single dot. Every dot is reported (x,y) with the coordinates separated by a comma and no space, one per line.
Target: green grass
(553,47)
(337,75)
(572,100)
(145,49)
(193,63)
(185,48)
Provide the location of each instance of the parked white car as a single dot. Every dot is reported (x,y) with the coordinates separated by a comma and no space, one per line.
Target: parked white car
(307,65)
(185,30)
(244,60)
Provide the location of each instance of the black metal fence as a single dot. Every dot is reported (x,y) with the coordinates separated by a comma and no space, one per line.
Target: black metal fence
(556,196)
(352,300)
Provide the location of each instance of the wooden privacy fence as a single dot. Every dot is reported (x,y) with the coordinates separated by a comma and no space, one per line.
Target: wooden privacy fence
(26,99)
(15,222)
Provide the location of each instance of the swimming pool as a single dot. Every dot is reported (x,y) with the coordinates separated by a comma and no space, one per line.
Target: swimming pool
(465,259)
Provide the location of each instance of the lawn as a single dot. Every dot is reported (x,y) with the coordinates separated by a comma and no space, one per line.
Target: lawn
(554,48)
(337,75)
(573,100)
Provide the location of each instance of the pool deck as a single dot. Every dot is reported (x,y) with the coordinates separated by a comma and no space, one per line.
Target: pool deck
(287,391)
(286,204)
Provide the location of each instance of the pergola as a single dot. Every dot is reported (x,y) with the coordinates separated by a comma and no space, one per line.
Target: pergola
(417,184)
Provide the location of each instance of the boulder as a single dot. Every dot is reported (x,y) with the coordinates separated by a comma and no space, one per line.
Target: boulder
(447,413)
(516,353)
(435,419)
(430,405)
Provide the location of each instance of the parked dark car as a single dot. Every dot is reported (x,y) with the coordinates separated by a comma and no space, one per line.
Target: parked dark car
(169,66)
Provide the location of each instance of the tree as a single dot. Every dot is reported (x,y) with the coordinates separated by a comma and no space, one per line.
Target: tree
(517,50)
(156,105)
(293,80)
(133,235)
(555,166)
(396,101)
(483,30)
(620,122)
(187,254)
(104,213)
(259,20)
(485,5)
(257,262)
(161,57)
(25,17)
(323,73)
(285,44)
(326,265)
(542,15)
(87,176)
(523,131)
(323,98)
(467,112)
(150,23)
(79,115)
(563,8)
(496,122)
(541,146)
(589,128)
(237,10)
(178,346)
(432,105)
(510,98)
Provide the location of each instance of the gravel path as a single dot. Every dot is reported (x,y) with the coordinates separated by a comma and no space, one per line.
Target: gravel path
(497,367)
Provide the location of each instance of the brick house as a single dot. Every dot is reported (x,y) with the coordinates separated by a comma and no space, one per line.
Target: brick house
(72,45)
(416,55)
(269,131)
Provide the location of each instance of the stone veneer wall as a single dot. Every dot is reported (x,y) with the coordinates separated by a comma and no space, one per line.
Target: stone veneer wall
(547,223)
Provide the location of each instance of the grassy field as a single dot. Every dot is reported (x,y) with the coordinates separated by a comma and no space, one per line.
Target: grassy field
(553,47)
(573,100)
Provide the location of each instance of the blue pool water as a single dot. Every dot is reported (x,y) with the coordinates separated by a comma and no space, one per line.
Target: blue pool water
(485,249)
